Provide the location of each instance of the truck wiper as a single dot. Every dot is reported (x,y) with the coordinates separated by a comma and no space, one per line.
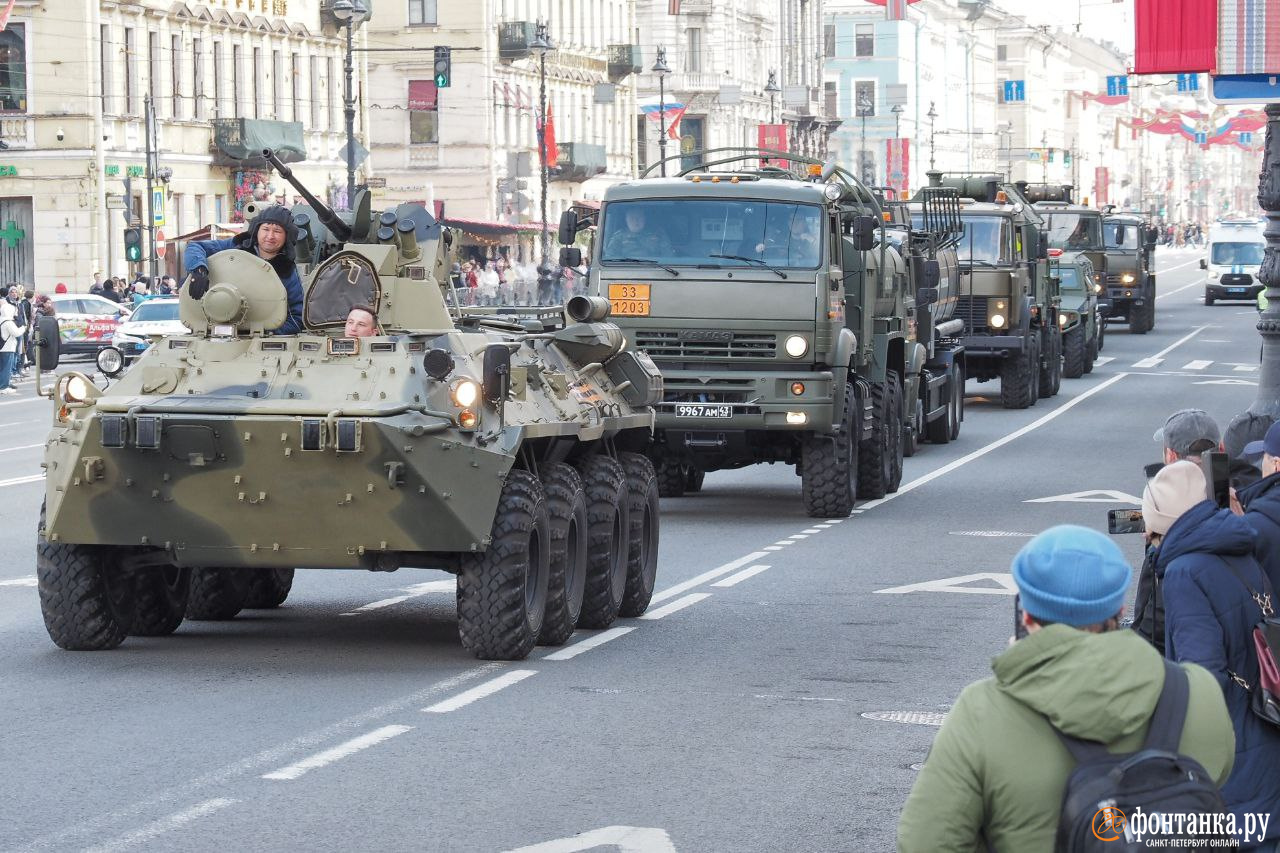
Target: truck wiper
(977,262)
(671,270)
(769,267)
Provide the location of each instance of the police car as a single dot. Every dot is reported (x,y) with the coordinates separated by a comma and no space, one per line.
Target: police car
(152,319)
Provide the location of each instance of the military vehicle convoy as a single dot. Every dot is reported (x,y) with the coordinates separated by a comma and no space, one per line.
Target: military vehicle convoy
(506,451)
(1006,299)
(1078,317)
(787,324)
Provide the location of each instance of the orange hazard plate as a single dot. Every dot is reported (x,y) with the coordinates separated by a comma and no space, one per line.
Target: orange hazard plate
(629,300)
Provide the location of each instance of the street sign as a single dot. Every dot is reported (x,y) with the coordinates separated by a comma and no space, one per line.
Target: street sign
(1015,91)
(116,202)
(157,206)
(1246,137)
(159,244)
(1188,82)
(1244,88)
(1202,137)
(1118,85)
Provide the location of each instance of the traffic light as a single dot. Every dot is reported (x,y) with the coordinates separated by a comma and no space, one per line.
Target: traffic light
(444,67)
(133,244)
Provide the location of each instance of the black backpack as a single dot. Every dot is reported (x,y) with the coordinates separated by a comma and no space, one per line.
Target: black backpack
(1148,603)
(1106,789)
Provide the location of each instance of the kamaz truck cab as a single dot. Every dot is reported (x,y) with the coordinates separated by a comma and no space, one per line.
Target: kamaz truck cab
(1007,301)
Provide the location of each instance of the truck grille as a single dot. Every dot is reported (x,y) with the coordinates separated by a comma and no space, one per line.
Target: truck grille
(973,310)
(695,344)
(1239,279)
(679,390)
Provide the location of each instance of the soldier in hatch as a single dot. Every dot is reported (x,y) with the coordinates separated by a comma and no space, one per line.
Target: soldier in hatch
(635,240)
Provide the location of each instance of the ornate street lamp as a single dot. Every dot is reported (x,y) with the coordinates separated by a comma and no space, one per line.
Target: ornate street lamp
(897,120)
(661,68)
(542,46)
(771,89)
(932,115)
(350,14)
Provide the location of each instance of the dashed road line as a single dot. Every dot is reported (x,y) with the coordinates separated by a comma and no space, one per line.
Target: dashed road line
(812,530)
(784,542)
(337,753)
(771,548)
(731,566)
(31,581)
(1198,364)
(675,606)
(416,591)
(1245,368)
(749,572)
(480,691)
(798,536)
(1148,362)
(166,824)
(18,481)
(570,652)
(1103,359)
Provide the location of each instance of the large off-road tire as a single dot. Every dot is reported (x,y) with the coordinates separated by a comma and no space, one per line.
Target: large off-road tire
(693,478)
(161,594)
(673,477)
(268,588)
(217,593)
(567,514)
(608,538)
(1074,353)
(947,427)
(87,602)
(829,465)
(1091,352)
(958,377)
(1142,318)
(642,536)
(895,412)
(502,591)
(1019,375)
(1051,371)
(913,429)
(880,456)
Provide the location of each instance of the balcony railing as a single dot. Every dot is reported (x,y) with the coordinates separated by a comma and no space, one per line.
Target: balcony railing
(694,81)
(18,131)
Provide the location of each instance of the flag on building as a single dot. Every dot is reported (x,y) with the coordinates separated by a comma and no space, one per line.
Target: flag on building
(894,10)
(673,7)
(1175,35)
(4,16)
(1248,37)
(550,151)
(898,165)
(669,113)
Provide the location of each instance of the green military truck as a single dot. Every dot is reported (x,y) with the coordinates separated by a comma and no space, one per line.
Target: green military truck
(1078,316)
(1006,300)
(783,320)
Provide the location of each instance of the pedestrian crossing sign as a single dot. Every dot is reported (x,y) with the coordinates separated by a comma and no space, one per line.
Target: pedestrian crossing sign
(157,206)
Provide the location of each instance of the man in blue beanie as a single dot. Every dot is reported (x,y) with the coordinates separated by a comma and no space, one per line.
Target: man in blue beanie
(997,770)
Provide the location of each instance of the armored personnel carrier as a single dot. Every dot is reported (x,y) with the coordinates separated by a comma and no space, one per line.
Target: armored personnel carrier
(504,450)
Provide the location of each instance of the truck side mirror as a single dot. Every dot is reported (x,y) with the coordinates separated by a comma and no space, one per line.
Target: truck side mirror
(1119,238)
(570,256)
(931,276)
(863,231)
(48,342)
(568,231)
(1203,264)
(926,296)
(497,372)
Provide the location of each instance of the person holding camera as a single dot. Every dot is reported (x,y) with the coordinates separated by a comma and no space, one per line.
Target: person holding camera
(997,771)
(1204,559)
(1261,501)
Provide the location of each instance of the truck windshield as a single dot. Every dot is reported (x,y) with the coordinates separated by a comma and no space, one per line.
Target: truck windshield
(1071,279)
(1229,254)
(1073,231)
(985,240)
(712,233)
(1121,235)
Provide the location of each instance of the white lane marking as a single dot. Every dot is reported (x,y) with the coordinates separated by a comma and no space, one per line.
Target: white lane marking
(1093,496)
(799,536)
(732,565)
(675,606)
(1179,289)
(1003,580)
(749,572)
(26,400)
(626,839)
(856,511)
(1178,267)
(166,824)
(416,591)
(1198,364)
(784,542)
(337,753)
(1103,359)
(31,581)
(569,652)
(480,691)
(772,548)
(1225,382)
(813,530)
(1148,362)
(1245,368)
(18,481)
(20,447)
(15,423)
(1179,342)
(905,488)
(836,520)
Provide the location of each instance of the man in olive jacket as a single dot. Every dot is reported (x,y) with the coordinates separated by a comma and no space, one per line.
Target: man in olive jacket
(996,773)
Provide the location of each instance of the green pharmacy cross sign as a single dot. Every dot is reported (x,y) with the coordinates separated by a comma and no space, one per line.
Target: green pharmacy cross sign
(11,234)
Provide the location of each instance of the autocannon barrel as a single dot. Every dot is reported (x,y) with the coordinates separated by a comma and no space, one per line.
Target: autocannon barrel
(340,229)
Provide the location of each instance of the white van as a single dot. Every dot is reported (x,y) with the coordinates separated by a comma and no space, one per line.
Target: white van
(1235,255)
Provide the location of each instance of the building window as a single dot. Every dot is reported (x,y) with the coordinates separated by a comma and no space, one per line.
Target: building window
(200,220)
(328,96)
(1002,52)
(197,77)
(315,91)
(217,79)
(422,11)
(219,209)
(129,83)
(693,39)
(104,62)
(864,40)
(295,86)
(13,69)
(423,112)
(175,75)
(236,92)
(829,40)
(642,143)
(831,99)
(277,81)
(153,65)
(257,77)
(864,98)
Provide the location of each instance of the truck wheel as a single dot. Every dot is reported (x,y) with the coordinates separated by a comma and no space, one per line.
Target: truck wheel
(942,430)
(1091,353)
(567,513)
(1051,371)
(1142,319)
(693,479)
(1208,298)
(881,454)
(268,588)
(502,592)
(895,414)
(608,529)
(161,594)
(1019,376)
(1102,334)
(217,593)
(829,466)
(957,377)
(87,603)
(673,477)
(1073,351)
(642,538)
(914,431)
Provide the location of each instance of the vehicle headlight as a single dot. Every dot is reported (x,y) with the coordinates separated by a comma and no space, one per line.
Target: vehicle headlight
(1127,278)
(73,388)
(465,393)
(833,192)
(1214,275)
(997,321)
(1063,319)
(796,346)
(998,318)
(1097,288)
(110,361)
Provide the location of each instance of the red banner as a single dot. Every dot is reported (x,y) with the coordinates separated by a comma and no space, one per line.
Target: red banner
(774,138)
(423,95)
(1101,186)
(898,165)
(1173,36)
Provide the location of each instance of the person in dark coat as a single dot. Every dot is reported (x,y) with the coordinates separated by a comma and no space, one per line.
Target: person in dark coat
(1209,616)
(270,236)
(1261,502)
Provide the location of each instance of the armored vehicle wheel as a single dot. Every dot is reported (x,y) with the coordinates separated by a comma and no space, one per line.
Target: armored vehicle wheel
(87,602)
(1019,376)
(608,528)
(1091,354)
(913,432)
(268,588)
(1142,318)
(567,513)
(642,538)
(947,427)
(958,379)
(1102,334)
(673,477)
(881,455)
(829,466)
(217,593)
(1051,370)
(502,592)
(693,479)
(895,414)
(161,594)
(1073,351)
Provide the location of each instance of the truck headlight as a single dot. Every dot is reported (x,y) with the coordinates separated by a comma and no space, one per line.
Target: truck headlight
(1127,278)
(997,321)
(796,346)
(74,388)
(1097,288)
(465,393)
(1063,319)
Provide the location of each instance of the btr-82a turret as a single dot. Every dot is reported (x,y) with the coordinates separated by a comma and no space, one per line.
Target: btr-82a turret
(501,449)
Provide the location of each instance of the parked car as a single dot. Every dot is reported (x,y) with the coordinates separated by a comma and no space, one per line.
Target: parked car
(151,319)
(86,322)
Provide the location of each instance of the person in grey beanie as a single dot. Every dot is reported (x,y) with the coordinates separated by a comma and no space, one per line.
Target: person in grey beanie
(995,776)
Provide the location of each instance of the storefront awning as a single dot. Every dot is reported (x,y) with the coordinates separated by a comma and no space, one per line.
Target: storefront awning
(494,229)
(241,140)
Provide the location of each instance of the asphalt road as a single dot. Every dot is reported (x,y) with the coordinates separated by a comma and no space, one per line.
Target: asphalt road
(776,698)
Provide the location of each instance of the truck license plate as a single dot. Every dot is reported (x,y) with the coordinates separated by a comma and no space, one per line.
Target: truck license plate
(703,410)
(629,300)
